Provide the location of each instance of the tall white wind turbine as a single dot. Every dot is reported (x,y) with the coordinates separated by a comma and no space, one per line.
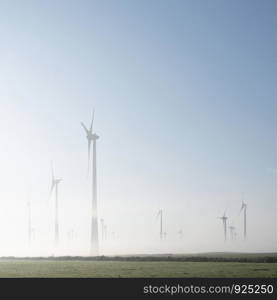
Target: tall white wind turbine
(93,137)
(54,186)
(244,208)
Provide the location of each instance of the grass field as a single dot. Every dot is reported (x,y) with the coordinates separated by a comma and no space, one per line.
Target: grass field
(84,268)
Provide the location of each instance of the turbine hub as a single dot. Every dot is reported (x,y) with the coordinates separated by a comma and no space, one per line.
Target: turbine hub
(95,136)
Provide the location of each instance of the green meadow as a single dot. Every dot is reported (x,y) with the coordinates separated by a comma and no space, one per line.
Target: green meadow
(114,267)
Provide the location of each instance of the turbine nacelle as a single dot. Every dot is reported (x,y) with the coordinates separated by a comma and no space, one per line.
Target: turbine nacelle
(223,218)
(95,137)
(89,131)
(92,136)
(56,181)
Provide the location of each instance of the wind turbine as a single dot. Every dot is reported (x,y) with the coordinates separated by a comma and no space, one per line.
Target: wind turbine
(105,232)
(160,214)
(54,186)
(232,232)
(33,233)
(71,234)
(93,137)
(181,234)
(224,220)
(244,207)
(29,223)
(102,228)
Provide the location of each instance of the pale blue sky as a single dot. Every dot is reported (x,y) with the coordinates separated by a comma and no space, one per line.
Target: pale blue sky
(185,99)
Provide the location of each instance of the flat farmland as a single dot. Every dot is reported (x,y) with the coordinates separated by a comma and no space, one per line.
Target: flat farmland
(46,268)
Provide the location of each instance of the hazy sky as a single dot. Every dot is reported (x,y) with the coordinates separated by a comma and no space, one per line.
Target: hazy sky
(185,100)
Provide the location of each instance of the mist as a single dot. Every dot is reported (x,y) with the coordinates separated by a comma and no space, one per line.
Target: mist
(186,114)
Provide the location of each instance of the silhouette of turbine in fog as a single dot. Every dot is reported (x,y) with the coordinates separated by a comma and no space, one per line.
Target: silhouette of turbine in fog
(232,232)
(224,220)
(181,234)
(71,234)
(93,137)
(244,207)
(29,223)
(102,228)
(160,214)
(105,232)
(55,184)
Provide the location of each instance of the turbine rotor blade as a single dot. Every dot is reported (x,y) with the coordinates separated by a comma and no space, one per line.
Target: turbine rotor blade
(52,188)
(91,125)
(85,128)
(52,171)
(242,206)
(158,214)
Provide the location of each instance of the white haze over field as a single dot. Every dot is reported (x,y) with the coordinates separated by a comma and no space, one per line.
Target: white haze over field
(185,106)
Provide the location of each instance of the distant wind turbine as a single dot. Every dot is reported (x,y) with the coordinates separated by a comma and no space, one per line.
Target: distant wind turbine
(33,233)
(232,232)
(160,214)
(71,234)
(54,186)
(181,234)
(102,228)
(93,137)
(224,220)
(105,231)
(244,208)
(29,223)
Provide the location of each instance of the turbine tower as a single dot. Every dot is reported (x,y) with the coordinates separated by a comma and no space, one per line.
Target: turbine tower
(54,186)
(160,214)
(93,137)
(244,207)
(224,220)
